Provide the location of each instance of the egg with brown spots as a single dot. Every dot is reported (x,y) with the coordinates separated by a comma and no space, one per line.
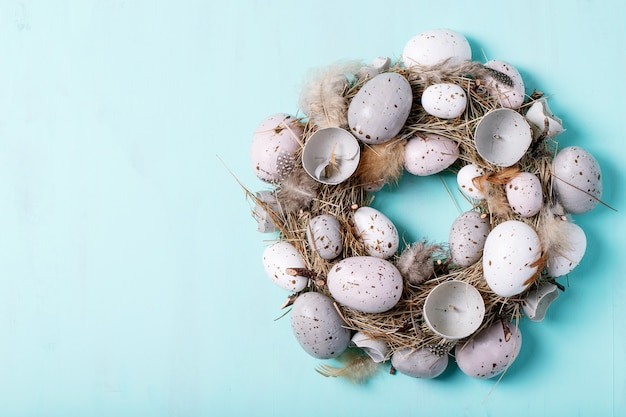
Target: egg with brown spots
(577,179)
(376,231)
(524,194)
(465,180)
(429,154)
(278,258)
(467,237)
(444,100)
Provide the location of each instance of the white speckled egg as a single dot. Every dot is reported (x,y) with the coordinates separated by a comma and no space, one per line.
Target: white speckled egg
(434,46)
(429,154)
(524,194)
(467,238)
(380,108)
(488,353)
(277,258)
(563,262)
(376,349)
(419,363)
(465,177)
(509,96)
(365,283)
(577,179)
(444,100)
(318,327)
(278,134)
(324,236)
(377,233)
(510,257)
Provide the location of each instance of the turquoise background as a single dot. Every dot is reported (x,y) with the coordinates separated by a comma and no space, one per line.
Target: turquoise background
(131,281)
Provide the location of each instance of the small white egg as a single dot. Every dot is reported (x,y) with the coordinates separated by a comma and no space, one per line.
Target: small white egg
(509,96)
(277,259)
(467,238)
(510,257)
(465,180)
(489,352)
(365,283)
(563,262)
(380,108)
(444,100)
(324,236)
(577,179)
(524,194)
(318,327)
(421,363)
(278,135)
(434,46)
(377,233)
(429,154)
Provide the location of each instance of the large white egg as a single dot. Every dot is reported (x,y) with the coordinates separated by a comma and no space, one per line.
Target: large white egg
(277,258)
(465,180)
(429,154)
(324,236)
(509,96)
(569,257)
(444,100)
(467,237)
(510,257)
(420,363)
(377,233)
(488,353)
(577,179)
(277,135)
(365,283)
(524,194)
(380,108)
(434,46)
(318,327)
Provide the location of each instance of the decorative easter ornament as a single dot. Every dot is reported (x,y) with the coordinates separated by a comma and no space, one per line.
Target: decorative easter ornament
(418,303)
(502,137)
(331,155)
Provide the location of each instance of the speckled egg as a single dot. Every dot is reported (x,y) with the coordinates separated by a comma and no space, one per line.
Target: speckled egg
(489,352)
(510,257)
(324,236)
(365,283)
(508,95)
(564,261)
(380,108)
(465,180)
(420,363)
(524,194)
(377,233)
(277,258)
(429,154)
(577,179)
(444,100)
(277,136)
(434,46)
(318,327)
(467,237)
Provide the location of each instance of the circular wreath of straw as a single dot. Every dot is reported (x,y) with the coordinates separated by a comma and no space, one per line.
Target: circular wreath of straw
(404,326)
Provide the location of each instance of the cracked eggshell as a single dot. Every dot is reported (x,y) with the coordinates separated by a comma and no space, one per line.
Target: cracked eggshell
(511,97)
(510,257)
(429,154)
(365,283)
(375,348)
(524,194)
(378,234)
(419,363)
(564,262)
(467,238)
(278,134)
(318,327)
(280,256)
(380,108)
(444,100)
(538,114)
(488,353)
(577,179)
(265,199)
(465,177)
(324,236)
(434,46)
(537,301)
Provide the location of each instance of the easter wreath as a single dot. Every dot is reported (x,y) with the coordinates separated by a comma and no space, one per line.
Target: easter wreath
(356,294)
